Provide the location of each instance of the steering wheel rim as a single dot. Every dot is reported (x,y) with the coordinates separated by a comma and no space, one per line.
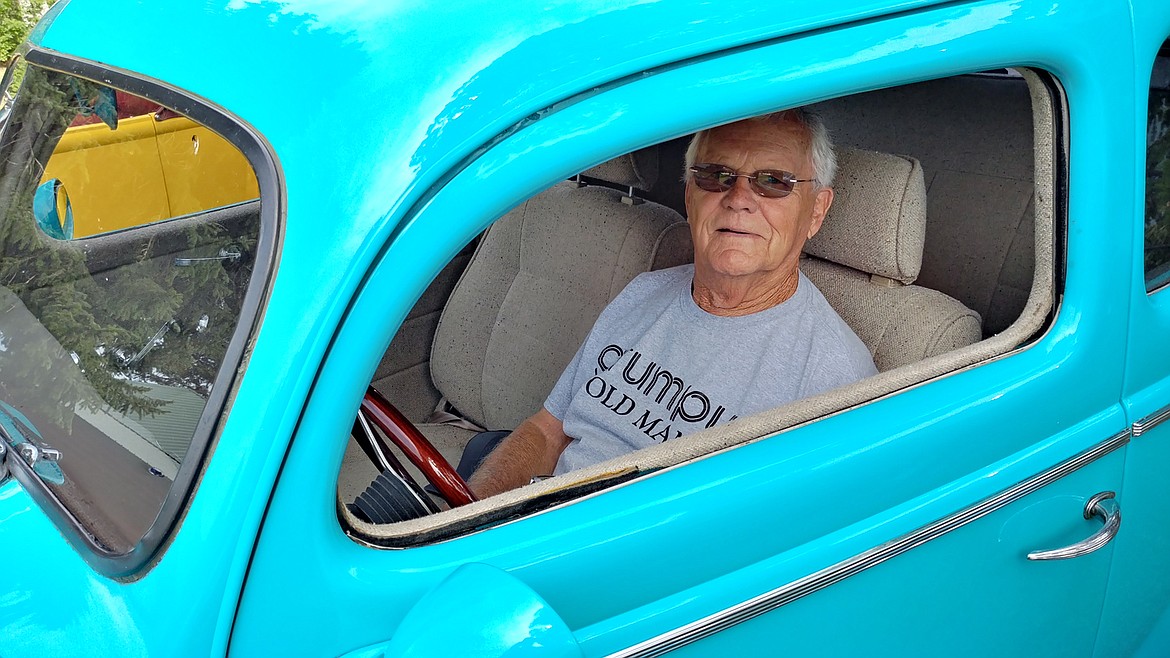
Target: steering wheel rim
(376,409)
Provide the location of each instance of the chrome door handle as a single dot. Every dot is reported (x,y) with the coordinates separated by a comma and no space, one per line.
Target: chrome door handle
(1102,506)
(32,453)
(224,254)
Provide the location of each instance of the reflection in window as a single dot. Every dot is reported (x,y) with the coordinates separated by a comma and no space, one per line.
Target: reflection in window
(1158,174)
(126,161)
(110,345)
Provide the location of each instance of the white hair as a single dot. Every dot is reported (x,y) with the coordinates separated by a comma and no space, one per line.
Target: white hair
(823,156)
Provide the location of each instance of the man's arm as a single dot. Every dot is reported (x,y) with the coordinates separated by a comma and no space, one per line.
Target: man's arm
(531,449)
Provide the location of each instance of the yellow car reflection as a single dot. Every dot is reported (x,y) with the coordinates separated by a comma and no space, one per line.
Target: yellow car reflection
(151,167)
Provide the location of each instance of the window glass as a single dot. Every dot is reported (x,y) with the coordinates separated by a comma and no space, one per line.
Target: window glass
(13,75)
(113,323)
(1158,174)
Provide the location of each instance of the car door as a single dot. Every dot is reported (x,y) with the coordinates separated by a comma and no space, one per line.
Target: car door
(899,526)
(1141,572)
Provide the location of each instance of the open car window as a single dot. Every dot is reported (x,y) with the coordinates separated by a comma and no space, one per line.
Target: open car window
(975,282)
(127,246)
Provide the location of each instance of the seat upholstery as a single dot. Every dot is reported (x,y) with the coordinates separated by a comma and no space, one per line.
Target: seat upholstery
(531,291)
(535,285)
(543,272)
(974,137)
(869,252)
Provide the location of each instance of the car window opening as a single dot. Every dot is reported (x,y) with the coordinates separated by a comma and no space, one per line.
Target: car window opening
(928,281)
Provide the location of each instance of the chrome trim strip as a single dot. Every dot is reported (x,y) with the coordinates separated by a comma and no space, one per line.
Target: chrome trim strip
(797,589)
(1149,422)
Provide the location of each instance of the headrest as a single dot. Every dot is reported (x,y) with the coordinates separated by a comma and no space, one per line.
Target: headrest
(877,223)
(638,169)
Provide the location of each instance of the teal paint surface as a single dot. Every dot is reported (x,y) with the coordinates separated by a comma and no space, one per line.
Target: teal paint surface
(393,117)
(1138,602)
(559,553)
(482,612)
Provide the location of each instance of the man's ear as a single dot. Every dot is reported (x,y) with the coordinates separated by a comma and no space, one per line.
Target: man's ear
(820,208)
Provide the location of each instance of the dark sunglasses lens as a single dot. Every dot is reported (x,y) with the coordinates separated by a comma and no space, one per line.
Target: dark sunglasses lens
(712,179)
(772,184)
(718,178)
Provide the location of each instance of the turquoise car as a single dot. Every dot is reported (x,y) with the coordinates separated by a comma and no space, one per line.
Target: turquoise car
(233,425)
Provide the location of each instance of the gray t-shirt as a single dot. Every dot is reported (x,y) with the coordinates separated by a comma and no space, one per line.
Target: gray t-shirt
(655,366)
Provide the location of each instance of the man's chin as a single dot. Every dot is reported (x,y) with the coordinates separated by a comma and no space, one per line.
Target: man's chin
(734,266)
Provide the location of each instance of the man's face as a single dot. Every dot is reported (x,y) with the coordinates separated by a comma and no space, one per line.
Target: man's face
(738,233)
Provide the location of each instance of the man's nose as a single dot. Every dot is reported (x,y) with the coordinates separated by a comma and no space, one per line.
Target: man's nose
(741,197)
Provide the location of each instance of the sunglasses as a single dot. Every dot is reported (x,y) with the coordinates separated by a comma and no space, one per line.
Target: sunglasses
(768,183)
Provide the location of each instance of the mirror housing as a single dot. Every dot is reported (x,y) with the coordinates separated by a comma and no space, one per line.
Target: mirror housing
(52,210)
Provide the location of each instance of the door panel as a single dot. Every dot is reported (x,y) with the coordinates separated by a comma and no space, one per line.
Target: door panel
(970,564)
(678,545)
(1136,620)
(1141,570)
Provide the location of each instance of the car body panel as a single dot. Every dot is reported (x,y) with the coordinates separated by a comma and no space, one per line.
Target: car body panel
(1137,614)
(560,553)
(752,518)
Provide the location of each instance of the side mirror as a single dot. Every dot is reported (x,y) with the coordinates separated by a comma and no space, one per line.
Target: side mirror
(105,106)
(97,100)
(52,210)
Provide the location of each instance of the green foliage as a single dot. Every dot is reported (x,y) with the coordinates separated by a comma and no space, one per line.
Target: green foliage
(16,20)
(78,332)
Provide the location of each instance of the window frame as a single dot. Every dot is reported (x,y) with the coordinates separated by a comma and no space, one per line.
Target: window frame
(1048,280)
(137,561)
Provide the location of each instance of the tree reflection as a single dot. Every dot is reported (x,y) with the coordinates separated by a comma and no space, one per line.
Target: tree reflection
(113,318)
(1158,184)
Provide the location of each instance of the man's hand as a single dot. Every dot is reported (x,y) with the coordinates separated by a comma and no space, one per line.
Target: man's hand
(531,449)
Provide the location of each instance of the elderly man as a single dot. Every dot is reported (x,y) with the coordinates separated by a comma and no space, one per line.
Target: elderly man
(740,331)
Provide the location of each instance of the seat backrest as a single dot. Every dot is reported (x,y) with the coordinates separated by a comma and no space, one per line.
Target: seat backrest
(538,280)
(973,135)
(869,252)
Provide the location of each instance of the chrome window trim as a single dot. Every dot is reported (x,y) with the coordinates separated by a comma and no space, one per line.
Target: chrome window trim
(1151,421)
(802,587)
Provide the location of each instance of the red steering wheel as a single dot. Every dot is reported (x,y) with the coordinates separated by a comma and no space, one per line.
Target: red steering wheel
(377,410)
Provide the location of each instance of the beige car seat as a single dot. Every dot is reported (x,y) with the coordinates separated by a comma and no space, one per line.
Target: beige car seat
(533,288)
(542,274)
(869,252)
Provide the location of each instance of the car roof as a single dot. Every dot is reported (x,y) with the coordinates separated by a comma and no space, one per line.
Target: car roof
(431,81)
